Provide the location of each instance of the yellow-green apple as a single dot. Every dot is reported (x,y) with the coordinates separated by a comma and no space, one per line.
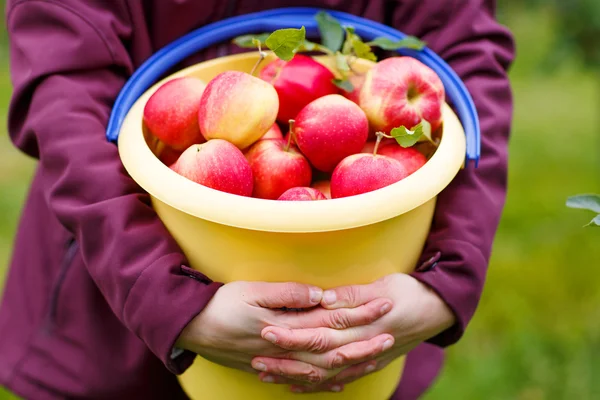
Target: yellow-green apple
(409,157)
(298,82)
(237,107)
(362,173)
(323,187)
(400,91)
(302,194)
(277,166)
(329,129)
(216,164)
(171,113)
(274,132)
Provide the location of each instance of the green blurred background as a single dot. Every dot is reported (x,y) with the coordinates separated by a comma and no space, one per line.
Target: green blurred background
(536,334)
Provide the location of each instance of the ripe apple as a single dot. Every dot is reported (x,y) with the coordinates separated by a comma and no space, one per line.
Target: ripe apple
(274,132)
(362,173)
(298,82)
(171,113)
(400,91)
(409,157)
(329,129)
(277,166)
(302,194)
(216,164)
(323,187)
(237,107)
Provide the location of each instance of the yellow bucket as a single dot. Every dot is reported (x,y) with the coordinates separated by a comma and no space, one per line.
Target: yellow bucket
(353,240)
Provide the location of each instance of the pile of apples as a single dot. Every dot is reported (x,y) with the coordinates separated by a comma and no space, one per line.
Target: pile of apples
(227,134)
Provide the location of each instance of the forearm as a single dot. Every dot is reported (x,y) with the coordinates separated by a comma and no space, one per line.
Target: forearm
(65,77)
(457,252)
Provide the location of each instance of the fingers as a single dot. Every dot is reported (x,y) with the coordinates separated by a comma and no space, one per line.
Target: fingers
(288,294)
(351,296)
(314,340)
(292,369)
(295,387)
(350,354)
(355,372)
(339,319)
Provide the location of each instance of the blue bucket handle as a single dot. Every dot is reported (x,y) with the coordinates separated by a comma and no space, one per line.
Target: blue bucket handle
(295,17)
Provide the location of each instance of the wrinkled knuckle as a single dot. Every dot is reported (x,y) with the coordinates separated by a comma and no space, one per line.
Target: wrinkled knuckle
(338,360)
(318,343)
(314,376)
(290,294)
(339,319)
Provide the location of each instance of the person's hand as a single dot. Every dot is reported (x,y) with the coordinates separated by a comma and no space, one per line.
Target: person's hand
(418,314)
(228,330)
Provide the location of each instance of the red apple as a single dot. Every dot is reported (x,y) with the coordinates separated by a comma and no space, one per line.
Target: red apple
(237,107)
(409,157)
(400,91)
(329,129)
(216,164)
(362,173)
(323,187)
(171,113)
(302,194)
(369,147)
(273,133)
(357,82)
(277,166)
(298,82)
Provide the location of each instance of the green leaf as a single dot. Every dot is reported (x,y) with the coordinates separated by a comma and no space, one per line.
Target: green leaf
(249,41)
(408,137)
(341,63)
(355,44)
(286,42)
(410,42)
(595,222)
(585,201)
(343,84)
(332,32)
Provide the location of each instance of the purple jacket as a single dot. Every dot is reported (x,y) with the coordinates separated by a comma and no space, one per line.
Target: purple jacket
(97,291)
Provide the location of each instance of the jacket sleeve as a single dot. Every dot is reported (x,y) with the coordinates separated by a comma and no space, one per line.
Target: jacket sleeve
(68,63)
(455,259)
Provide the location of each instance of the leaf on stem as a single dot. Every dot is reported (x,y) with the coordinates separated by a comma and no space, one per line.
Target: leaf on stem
(250,41)
(286,42)
(409,42)
(595,222)
(354,44)
(408,137)
(332,32)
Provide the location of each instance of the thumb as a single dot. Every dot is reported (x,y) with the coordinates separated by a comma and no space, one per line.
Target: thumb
(288,294)
(351,296)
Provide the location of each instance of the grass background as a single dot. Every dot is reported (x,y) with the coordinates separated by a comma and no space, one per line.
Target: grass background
(536,334)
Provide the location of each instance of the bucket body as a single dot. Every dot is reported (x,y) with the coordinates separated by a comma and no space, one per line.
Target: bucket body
(354,240)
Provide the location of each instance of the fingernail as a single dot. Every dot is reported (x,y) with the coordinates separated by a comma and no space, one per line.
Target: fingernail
(270,336)
(316,295)
(297,390)
(385,308)
(329,297)
(387,344)
(268,379)
(260,366)
(336,388)
(370,368)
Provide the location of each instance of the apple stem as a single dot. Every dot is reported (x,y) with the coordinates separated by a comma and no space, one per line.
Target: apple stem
(289,142)
(380,135)
(261,57)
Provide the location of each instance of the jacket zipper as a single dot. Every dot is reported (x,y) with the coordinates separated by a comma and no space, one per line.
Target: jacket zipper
(67,261)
